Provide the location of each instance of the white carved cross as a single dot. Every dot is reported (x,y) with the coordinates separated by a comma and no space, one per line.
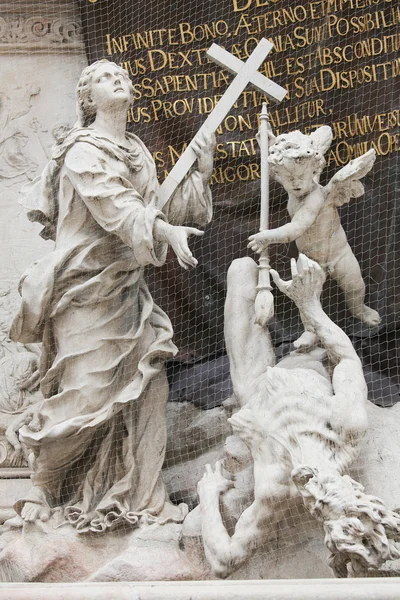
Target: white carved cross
(246,72)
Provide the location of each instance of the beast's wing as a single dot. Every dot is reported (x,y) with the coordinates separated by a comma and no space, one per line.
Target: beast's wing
(346,184)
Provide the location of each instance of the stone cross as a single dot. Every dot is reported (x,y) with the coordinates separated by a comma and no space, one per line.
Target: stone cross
(246,72)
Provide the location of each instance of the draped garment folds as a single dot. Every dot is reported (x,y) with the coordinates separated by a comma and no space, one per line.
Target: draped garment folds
(100,433)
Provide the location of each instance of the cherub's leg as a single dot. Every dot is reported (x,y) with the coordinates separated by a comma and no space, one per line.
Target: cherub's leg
(348,275)
(249,346)
(224,553)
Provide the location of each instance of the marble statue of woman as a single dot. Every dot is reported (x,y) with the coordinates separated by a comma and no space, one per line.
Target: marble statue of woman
(99,435)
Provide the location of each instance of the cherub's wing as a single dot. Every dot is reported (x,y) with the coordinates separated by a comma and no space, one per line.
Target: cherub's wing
(346,184)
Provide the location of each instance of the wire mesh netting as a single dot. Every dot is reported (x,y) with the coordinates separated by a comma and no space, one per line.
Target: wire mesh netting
(104,304)
(339,64)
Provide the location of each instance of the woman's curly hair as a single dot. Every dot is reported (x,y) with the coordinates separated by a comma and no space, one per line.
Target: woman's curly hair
(86,109)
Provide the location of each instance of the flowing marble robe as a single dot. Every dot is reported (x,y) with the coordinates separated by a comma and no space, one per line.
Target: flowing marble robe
(100,434)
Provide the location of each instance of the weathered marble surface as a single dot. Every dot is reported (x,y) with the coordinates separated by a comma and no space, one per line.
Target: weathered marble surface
(303,422)
(295,547)
(152,551)
(297,551)
(195,437)
(38,47)
(98,437)
(296,161)
(60,554)
(311,589)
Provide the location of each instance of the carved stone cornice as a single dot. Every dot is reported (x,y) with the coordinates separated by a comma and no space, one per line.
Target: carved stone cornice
(39,27)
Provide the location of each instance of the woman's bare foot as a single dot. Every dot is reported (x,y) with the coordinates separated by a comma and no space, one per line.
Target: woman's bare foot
(34,507)
(35,512)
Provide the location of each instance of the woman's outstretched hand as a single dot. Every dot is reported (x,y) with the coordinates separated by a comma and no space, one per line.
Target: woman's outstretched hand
(178,240)
(177,237)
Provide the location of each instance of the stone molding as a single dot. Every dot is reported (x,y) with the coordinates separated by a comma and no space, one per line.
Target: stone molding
(15,473)
(300,589)
(39,27)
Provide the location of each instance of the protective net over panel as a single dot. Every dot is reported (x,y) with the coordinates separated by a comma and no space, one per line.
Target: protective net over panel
(124,327)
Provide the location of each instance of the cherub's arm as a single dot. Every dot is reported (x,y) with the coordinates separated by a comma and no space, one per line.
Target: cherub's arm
(302,220)
(348,380)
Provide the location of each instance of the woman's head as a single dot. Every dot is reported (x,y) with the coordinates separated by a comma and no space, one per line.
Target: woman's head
(102,84)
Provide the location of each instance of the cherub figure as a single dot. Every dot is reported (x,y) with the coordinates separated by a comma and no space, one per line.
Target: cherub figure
(303,425)
(296,161)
